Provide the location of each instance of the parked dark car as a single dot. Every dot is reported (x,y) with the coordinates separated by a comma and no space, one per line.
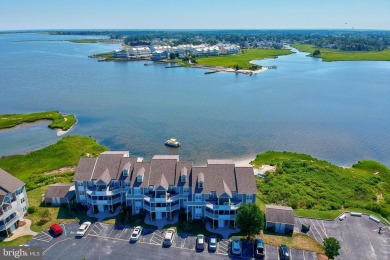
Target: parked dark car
(259,249)
(284,252)
(56,230)
(213,243)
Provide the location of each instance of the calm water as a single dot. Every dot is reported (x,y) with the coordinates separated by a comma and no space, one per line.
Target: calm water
(337,111)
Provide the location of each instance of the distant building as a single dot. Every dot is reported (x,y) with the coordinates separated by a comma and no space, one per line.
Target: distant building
(206,51)
(229,49)
(279,218)
(166,48)
(121,54)
(164,185)
(59,194)
(159,55)
(139,52)
(13,202)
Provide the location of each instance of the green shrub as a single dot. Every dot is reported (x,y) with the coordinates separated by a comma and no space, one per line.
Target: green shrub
(31,209)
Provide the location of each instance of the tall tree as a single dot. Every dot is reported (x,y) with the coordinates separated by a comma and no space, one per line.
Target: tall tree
(332,247)
(250,219)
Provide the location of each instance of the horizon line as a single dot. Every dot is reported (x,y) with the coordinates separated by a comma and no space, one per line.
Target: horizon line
(198,29)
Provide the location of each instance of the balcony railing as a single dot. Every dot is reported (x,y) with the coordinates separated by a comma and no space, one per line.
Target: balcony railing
(8,210)
(219,216)
(162,209)
(234,205)
(10,221)
(165,198)
(112,191)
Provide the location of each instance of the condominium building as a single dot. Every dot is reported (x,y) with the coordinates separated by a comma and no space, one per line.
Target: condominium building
(139,52)
(164,186)
(13,202)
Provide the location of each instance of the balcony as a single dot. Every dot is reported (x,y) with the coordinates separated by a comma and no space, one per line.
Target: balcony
(134,196)
(162,209)
(8,210)
(169,198)
(93,191)
(219,217)
(10,221)
(232,205)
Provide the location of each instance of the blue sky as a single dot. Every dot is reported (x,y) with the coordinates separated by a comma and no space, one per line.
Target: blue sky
(194,14)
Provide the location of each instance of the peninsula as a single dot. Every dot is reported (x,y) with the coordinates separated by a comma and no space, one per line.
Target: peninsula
(60,121)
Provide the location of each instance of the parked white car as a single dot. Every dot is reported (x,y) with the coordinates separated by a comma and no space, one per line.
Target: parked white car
(168,238)
(342,217)
(136,234)
(83,228)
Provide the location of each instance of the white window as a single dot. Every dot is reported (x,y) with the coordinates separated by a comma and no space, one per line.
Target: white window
(22,200)
(137,191)
(81,192)
(80,183)
(186,190)
(249,197)
(198,196)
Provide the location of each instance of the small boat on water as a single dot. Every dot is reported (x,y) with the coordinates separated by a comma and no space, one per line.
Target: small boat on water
(172,143)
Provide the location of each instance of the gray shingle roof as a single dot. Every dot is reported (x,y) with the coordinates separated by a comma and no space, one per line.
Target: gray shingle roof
(246,183)
(214,176)
(93,168)
(279,214)
(84,169)
(57,190)
(162,166)
(180,166)
(146,172)
(8,182)
(111,162)
(105,177)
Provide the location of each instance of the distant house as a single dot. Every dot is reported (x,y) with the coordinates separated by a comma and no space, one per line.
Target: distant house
(159,55)
(121,54)
(13,202)
(59,194)
(279,218)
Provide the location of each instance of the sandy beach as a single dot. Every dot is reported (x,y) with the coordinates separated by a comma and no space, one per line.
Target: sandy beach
(245,162)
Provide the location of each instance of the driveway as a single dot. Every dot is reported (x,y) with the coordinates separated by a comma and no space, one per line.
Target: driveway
(358,236)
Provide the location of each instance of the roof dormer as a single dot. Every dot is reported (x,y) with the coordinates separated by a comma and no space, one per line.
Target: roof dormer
(126,169)
(200,180)
(183,174)
(140,174)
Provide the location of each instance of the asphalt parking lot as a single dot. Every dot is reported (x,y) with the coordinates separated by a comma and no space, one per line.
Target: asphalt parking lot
(103,241)
(358,236)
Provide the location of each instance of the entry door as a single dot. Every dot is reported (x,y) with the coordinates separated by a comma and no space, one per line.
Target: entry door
(158,215)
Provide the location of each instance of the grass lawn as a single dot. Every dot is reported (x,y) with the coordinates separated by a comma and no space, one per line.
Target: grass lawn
(107,55)
(242,60)
(337,55)
(60,121)
(297,241)
(58,215)
(316,188)
(17,241)
(30,167)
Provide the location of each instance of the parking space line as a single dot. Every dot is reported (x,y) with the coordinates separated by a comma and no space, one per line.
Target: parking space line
(322,227)
(109,235)
(122,232)
(303,253)
(316,230)
(64,228)
(43,237)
